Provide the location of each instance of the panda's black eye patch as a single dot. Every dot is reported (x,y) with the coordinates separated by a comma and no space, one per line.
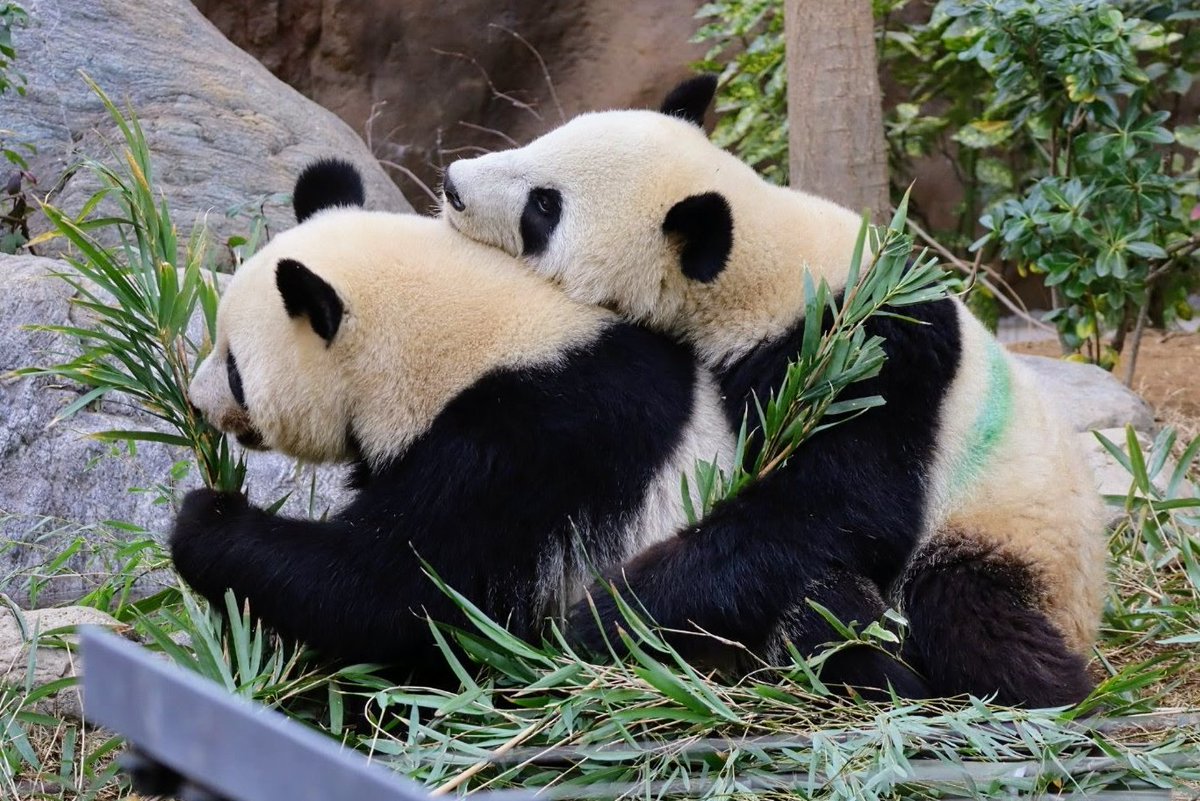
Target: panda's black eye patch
(539,218)
(235,380)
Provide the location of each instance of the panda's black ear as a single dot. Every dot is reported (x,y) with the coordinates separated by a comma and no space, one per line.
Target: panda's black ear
(703,226)
(690,99)
(326,183)
(306,294)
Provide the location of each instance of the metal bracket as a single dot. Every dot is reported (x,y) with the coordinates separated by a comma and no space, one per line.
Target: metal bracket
(232,746)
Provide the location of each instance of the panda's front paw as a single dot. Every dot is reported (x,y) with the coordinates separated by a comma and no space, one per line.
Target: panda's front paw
(208,509)
(205,518)
(596,631)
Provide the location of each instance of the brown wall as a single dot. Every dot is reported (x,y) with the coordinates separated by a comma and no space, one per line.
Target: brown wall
(429,62)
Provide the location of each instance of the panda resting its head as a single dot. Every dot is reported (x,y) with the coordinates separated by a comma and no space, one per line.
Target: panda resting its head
(345,335)
(638,211)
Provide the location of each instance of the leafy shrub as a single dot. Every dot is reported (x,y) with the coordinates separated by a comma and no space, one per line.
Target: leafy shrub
(14,229)
(752,98)
(1060,114)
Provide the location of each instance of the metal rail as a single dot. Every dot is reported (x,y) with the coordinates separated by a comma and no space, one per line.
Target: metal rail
(226,744)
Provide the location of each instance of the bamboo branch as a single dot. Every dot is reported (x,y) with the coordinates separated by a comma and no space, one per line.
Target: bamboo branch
(968,269)
(562,117)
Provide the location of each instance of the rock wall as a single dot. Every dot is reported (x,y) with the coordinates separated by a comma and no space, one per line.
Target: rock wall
(223,131)
(454,76)
(57,482)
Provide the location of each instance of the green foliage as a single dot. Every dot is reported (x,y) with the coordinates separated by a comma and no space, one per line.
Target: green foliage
(12,16)
(830,359)
(74,763)
(236,652)
(752,98)
(1060,114)
(1156,546)
(141,297)
(14,227)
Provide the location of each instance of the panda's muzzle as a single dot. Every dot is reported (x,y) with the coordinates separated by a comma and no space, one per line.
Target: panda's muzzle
(251,439)
(236,422)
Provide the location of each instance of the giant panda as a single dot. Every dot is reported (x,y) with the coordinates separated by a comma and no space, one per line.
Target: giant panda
(964,497)
(511,439)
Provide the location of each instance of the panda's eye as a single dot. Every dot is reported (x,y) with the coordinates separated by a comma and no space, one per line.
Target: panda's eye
(546,201)
(235,380)
(539,218)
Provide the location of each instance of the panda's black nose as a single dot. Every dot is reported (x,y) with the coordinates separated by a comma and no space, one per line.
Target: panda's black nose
(452,194)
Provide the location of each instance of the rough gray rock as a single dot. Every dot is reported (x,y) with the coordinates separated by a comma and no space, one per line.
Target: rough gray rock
(1111,477)
(1088,396)
(1092,399)
(222,130)
(54,478)
(22,631)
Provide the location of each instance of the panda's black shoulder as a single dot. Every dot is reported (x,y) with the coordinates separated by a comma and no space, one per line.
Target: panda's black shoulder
(617,402)
(634,360)
(527,448)
(923,348)
(624,373)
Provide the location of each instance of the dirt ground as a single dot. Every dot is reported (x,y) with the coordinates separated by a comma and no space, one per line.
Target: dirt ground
(1168,376)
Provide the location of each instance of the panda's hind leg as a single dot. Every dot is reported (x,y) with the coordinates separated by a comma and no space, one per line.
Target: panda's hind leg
(870,671)
(976,626)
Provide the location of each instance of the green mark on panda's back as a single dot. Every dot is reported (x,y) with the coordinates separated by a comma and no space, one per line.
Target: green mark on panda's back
(990,424)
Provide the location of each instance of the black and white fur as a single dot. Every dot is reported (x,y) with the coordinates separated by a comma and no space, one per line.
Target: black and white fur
(500,432)
(1001,574)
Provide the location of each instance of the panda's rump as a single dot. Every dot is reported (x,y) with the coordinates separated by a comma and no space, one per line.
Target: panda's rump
(1010,471)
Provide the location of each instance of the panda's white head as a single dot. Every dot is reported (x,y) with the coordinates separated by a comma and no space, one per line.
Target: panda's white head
(272,377)
(594,203)
(640,212)
(346,335)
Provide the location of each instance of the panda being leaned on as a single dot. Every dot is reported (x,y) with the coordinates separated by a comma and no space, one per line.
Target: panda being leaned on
(964,496)
(501,432)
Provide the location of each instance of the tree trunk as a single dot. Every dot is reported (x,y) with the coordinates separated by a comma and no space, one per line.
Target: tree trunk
(834,111)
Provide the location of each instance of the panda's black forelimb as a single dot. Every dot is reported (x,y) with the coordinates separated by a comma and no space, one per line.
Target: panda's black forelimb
(338,585)
(851,503)
(745,574)
(736,627)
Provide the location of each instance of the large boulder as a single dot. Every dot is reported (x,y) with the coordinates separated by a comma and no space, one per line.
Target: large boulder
(1089,397)
(57,482)
(223,131)
(442,80)
(33,652)
(1092,400)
